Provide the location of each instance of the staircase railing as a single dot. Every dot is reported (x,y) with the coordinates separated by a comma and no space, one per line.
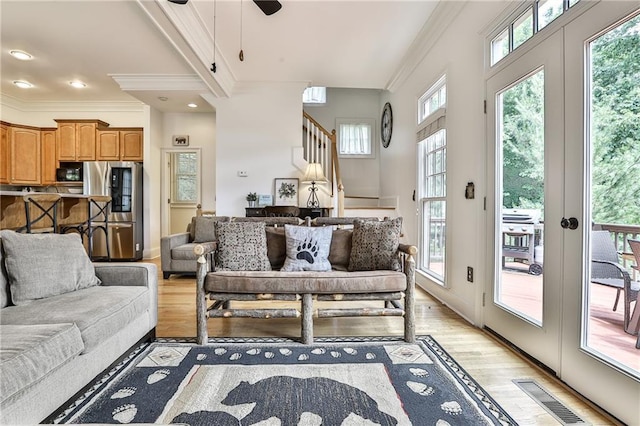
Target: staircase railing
(320,147)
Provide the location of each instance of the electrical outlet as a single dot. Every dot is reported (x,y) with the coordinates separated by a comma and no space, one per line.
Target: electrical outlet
(469,274)
(243,173)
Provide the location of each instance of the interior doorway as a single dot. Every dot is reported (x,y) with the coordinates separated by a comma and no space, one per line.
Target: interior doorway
(181,187)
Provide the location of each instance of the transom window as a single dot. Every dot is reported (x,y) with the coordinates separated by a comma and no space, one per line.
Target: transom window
(534,18)
(315,95)
(432,100)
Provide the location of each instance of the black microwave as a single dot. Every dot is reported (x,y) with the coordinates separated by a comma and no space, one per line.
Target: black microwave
(69,174)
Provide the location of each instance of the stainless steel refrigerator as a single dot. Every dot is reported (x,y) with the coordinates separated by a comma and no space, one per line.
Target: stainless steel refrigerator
(122,180)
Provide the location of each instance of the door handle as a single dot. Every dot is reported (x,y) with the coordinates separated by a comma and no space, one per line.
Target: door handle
(571,223)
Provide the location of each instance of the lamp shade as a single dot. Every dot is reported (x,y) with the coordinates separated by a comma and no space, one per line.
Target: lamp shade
(314,173)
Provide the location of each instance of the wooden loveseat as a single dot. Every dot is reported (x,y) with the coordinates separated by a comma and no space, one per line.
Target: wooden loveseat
(346,281)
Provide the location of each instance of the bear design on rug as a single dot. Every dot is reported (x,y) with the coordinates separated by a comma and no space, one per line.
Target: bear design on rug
(206,418)
(332,400)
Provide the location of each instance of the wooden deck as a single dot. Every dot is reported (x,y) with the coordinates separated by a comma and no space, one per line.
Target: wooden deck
(606,334)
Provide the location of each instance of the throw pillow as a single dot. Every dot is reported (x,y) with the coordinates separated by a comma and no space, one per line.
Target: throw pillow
(45,265)
(375,245)
(307,248)
(242,246)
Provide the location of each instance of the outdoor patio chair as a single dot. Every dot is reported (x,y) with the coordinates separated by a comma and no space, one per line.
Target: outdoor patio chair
(606,270)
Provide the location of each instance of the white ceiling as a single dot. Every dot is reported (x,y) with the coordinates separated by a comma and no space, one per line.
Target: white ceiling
(147,45)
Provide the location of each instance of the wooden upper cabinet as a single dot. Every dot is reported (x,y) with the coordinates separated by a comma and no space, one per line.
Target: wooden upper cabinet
(48,150)
(4,153)
(108,145)
(25,155)
(77,139)
(131,145)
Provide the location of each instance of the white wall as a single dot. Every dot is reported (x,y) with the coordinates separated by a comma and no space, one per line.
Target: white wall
(257,130)
(459,54)
(359,176)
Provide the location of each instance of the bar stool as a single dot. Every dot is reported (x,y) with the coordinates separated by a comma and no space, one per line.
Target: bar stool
(41,213)
(98,207)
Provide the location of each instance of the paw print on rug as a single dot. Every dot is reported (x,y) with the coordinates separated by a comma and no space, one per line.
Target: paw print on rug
(308,250)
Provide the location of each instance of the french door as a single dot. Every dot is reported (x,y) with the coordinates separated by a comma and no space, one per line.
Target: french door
(539,133)
(527,160)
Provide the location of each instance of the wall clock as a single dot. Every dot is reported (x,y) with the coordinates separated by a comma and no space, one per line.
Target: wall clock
(386,125)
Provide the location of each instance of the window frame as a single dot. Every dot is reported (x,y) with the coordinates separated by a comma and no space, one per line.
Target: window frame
(174,178)
(429,125)
(371,122)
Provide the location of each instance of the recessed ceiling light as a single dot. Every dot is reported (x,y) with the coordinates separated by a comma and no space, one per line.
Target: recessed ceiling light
(78,84)
(20,54)
(23,84)
(192,105)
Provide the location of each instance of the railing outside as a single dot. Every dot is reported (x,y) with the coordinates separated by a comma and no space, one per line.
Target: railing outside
(621,234)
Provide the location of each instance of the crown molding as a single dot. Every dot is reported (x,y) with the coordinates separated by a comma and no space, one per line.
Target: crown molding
(436,25)
(164,82)
(68,106)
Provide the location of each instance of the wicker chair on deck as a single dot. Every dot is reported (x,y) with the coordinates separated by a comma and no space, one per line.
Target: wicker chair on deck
(606,270)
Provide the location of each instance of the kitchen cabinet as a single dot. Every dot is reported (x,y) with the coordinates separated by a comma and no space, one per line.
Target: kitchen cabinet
(76,139)
(48,152)
(25,155)
(131,145)
(118,144)
(108,145)
(4,153)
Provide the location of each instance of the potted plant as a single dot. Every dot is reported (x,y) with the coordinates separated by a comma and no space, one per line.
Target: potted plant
(252,197)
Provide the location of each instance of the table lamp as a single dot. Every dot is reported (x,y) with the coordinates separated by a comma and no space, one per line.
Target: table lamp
(313,175)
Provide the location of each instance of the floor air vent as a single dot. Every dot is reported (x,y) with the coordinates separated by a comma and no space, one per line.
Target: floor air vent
(554,407)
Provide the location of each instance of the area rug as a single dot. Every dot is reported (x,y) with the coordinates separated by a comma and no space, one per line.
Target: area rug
(258,381)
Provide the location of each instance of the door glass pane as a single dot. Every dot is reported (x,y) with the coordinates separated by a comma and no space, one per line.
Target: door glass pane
(615,200)
(185,177)
(521,169)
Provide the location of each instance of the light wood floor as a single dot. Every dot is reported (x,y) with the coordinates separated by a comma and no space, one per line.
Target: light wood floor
(487,360)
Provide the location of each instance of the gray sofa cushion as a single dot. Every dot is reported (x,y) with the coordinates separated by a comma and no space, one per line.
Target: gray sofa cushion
(205,229)
(30,352)
(5,297)
(307,248)
(305,282)
(375,245)
(242,246)
(45,265)
(99,312)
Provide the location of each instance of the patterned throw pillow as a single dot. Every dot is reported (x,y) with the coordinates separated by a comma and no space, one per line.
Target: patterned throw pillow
(375,245)
(242,246)
(307,248)
(45,265)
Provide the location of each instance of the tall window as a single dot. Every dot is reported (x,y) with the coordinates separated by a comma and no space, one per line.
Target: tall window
(184,177)
(355,138)
(432,184)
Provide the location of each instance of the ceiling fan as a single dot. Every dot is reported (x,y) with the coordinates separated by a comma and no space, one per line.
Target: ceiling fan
(269,7)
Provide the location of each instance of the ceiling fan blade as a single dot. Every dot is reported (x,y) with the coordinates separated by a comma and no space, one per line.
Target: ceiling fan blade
(179,1)
(269,7)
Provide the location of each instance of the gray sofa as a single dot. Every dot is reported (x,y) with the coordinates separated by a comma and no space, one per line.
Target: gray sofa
(176,250)
(258,263)
(57,339)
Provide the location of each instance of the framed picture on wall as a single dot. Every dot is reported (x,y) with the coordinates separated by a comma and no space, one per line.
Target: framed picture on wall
(286,192)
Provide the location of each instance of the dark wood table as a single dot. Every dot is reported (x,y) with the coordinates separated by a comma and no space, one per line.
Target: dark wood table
(312,212)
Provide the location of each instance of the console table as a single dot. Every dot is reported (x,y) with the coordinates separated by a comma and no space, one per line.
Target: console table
(312,212)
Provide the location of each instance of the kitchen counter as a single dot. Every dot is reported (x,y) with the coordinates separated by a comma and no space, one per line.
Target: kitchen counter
(72,208)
